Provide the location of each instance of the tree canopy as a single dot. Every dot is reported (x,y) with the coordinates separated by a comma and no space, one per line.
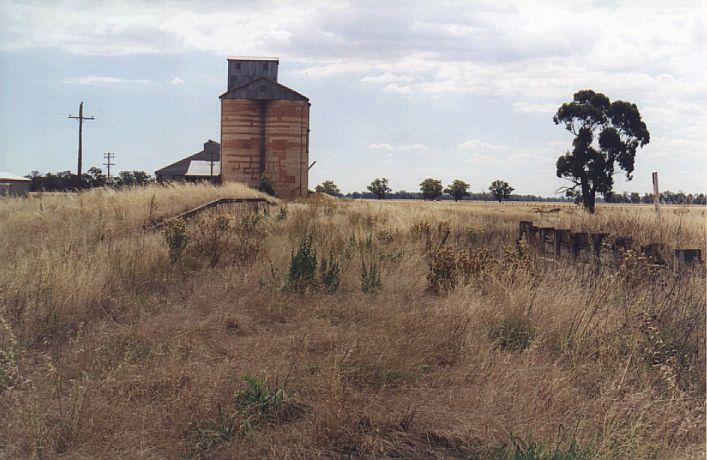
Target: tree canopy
(379,187)
(607,135)
(500,190)
(328,187)
(457,189)
(431,188)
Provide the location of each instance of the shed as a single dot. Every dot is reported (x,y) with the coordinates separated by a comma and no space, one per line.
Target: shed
(13,185)
(203,165)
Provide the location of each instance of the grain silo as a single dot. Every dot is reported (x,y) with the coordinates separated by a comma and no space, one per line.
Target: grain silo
(264,128)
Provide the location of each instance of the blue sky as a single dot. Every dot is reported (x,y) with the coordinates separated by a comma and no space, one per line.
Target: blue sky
(404,90)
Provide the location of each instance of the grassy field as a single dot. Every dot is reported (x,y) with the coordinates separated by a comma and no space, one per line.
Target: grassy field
(341,329)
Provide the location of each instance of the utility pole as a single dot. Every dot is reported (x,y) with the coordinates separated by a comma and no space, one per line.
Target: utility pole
(656,195)
(108,156)
(80,118)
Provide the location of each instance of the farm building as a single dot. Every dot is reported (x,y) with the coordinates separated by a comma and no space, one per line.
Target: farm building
(12,184)
(204,165)
(264,129)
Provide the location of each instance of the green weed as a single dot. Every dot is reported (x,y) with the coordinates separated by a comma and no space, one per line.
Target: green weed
(512,333)
(370,277)
(303,266)
(330,274)
(176,237)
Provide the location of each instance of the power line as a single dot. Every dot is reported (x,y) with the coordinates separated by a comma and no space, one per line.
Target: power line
(108,156)
(80,118)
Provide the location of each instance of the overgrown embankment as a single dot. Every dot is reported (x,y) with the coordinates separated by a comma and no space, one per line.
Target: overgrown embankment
(339,329)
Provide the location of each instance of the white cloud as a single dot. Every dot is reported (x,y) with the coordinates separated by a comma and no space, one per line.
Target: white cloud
(530,107)
(405,147)
(387,147)
(177,81)
(103,81)
(477,144)
(388,78)
(413,147)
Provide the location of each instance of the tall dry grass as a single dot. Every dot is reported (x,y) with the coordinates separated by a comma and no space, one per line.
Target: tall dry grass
(112,349)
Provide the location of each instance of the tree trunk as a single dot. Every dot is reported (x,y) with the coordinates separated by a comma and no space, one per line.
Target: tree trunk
(588,197)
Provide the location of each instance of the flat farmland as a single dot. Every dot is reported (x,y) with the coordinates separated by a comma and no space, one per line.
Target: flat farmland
(337,329)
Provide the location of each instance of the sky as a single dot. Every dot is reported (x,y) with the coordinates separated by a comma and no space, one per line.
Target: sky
(399,89)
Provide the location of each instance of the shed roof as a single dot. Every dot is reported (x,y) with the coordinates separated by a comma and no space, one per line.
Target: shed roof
(182,167)
(263,88)
(5,176)
(202,168)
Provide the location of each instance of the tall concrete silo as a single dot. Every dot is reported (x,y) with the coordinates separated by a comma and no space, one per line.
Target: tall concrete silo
(264,128)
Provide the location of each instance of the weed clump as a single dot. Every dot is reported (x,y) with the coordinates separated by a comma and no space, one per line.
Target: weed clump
(370,277)
(211,238)
(538,450)
(257,405)
(176,236)
(448,268)
(303,267)
(513,333)
(330,274)
(260,404)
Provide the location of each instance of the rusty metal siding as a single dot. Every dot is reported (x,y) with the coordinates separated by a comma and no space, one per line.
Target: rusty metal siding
(241,71)
(285,155)
(240,141)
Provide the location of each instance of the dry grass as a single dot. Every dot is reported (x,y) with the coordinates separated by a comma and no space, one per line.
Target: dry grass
(111,349)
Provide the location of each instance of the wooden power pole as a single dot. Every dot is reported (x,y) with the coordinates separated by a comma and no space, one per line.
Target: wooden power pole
(80,118)
(656,194)
(108,156)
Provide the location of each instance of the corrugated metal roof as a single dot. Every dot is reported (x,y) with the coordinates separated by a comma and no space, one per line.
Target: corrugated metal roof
(263,88)
(10,176)
(252,58)
(203,168)
(181,167)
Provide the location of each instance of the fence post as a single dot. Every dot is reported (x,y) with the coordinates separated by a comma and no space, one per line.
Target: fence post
(597,239)
(560,238)
(686,257)
(531,234)
(578,241)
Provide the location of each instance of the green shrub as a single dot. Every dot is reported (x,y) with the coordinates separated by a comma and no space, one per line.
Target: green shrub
(260,403)
(330,274)
(512,333)
(370,277)
(303,266)
(176,237)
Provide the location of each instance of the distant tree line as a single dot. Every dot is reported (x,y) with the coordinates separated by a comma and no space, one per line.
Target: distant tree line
(433,189)
(66,181)
(499,190)
(666,197)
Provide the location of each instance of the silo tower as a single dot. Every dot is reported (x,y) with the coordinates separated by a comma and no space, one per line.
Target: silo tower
(264,128)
